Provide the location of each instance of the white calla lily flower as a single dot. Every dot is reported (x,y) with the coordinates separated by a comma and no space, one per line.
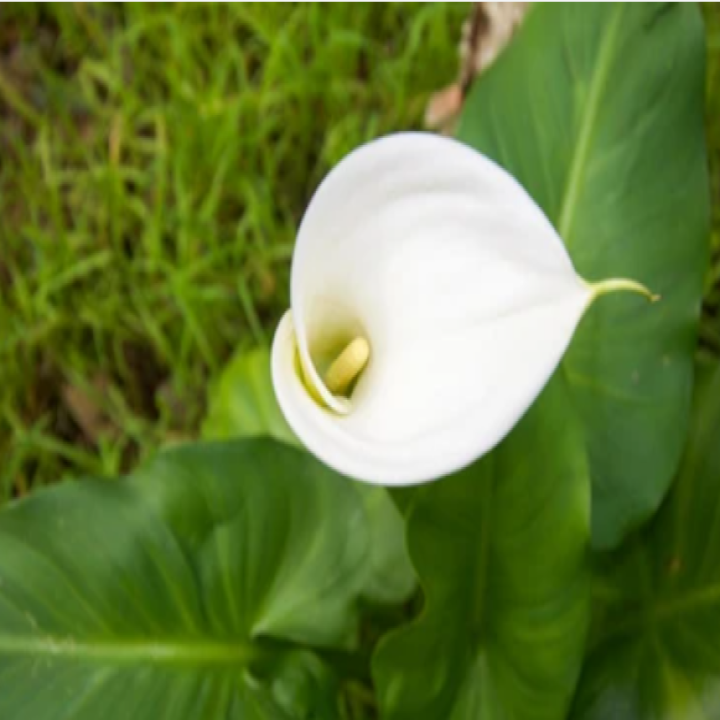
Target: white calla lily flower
(431,300)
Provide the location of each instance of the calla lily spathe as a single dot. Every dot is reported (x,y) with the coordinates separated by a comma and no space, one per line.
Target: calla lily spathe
(431,300)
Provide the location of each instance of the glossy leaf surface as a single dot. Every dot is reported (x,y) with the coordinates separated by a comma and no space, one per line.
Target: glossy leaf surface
(597,109)
(656,647)
(243,404)
(196,588)
(500,550)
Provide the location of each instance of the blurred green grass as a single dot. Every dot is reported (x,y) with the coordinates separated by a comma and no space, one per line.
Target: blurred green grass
(154,163)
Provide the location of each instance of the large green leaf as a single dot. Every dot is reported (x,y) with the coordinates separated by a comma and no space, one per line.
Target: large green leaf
(656,648)
(598,111)
(193,589)
(500,550)
(243,404)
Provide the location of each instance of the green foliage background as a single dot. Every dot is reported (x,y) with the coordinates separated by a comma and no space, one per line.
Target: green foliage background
(154,165)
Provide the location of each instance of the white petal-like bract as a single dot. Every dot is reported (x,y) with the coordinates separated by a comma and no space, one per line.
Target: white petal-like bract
(462,288)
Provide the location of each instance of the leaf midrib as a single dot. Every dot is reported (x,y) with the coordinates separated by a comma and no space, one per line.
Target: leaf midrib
(581,149)
(122,652)
(699,446)
(661,611)
(482,560)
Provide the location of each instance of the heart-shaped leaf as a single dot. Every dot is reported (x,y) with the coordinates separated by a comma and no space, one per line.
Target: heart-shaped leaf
(500,550)
(656,649)
(193,589)
(598,111)
(243,404)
